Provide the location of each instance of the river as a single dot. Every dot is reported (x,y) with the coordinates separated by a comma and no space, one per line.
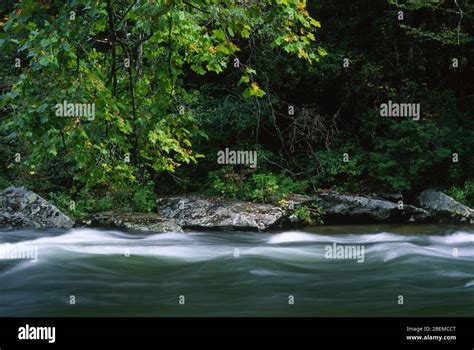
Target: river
(397,270)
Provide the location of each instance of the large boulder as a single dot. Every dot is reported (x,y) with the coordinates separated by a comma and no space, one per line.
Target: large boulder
(20,207)
(345,208)
(217,213)
(443,208)
(144,222)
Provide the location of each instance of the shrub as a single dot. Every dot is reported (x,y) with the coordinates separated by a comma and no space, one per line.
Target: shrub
(257,187)
(310,214)
(144,200)
(464,194)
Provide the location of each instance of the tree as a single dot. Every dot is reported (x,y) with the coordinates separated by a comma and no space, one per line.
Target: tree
(125,62)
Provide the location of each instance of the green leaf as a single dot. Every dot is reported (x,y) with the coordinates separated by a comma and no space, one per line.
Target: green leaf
(219,34)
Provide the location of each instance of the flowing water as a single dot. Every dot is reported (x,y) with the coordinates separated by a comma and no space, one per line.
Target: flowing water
(89,272)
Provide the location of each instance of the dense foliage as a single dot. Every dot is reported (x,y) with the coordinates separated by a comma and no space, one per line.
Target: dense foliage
(174,82)
(406,51)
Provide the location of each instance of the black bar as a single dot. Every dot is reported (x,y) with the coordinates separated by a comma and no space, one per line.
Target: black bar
(120,331)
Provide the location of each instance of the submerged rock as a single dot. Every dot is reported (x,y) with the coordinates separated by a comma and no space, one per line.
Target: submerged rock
(443,208)
(344,208)
(20,207)
(144,222)
(217,213)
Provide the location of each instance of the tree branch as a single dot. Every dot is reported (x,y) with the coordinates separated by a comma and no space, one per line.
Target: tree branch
(196,7)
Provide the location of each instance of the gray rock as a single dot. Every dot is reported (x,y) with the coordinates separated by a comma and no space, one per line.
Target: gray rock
(144,222)
(218,213)
(344,208)
(443,208)
(295,200)
(20,207)
(392,197)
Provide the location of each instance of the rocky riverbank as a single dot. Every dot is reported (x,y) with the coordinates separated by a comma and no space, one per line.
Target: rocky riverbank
(20,207)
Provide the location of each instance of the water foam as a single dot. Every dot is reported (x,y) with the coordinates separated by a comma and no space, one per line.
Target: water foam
(458,237)
(469,284)
(384,246)
(299,236)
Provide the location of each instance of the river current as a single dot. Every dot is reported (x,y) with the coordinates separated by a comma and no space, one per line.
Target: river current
(375,270)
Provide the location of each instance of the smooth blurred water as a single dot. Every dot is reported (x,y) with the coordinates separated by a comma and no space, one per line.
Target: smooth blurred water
(415,261)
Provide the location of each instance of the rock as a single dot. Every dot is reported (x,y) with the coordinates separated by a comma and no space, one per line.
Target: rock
(344,208)
(443,208)
(217,213)
(20,207)
(295,200)
(392,197)
(144,222)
